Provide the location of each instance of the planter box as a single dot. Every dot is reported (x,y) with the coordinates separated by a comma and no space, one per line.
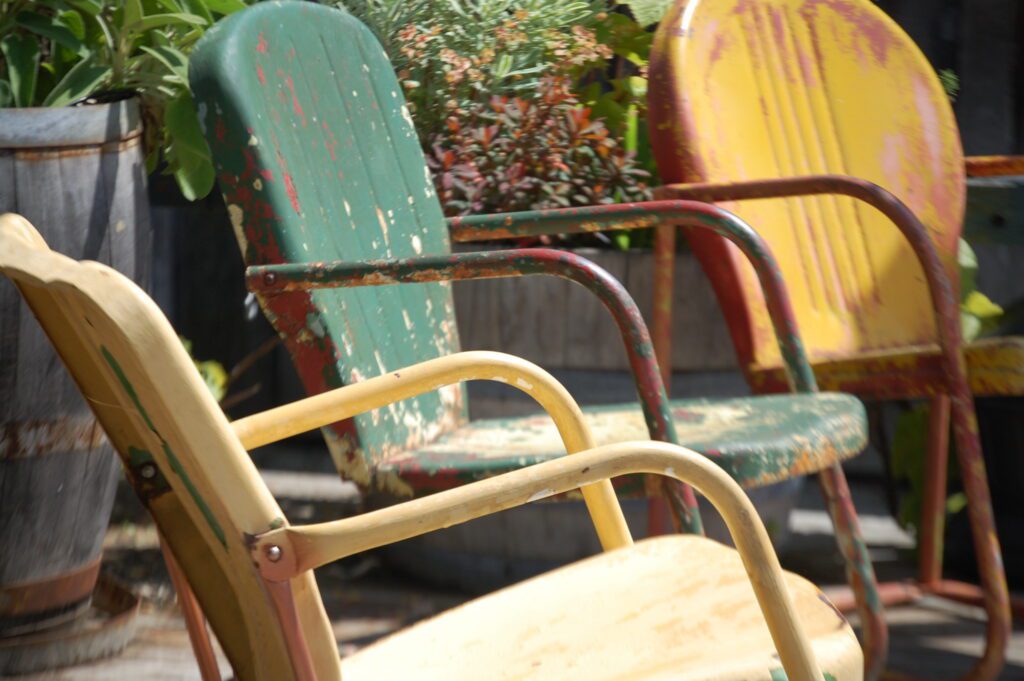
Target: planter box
(78,175)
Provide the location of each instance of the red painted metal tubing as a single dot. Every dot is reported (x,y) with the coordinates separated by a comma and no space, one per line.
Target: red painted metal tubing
(511,263)
(695,214)
(970,594)
(993,166)
(889,593)
(965,426)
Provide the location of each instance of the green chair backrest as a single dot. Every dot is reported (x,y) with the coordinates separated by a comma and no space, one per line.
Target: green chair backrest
(317,158)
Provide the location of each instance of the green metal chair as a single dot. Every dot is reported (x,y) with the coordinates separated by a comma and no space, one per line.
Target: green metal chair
(333,206)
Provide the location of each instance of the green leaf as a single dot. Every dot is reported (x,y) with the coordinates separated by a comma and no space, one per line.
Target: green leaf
(161,20)
(978,315)
(53,28)
(979,305)
(215,377)
(635,86)
(83,79)
(188,155)
(956,503)
(174,60)
(225,6)
(970,326)
(6,95)
(198,7)
(967,263)
(74,23)
(22,54)
(91,7)
(132,13)
(647,12)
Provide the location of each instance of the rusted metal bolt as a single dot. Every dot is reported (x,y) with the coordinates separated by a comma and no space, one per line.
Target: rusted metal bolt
(274,553)
(147,471)
(269,279)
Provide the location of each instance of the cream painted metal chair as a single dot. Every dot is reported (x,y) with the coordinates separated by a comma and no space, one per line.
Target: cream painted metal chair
(679,607)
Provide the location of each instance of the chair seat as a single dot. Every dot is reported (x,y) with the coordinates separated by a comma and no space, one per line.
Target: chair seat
(677,607)
(995,366)
(757,440)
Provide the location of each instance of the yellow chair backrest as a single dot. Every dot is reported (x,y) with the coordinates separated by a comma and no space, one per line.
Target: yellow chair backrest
(757,89)
(206,496)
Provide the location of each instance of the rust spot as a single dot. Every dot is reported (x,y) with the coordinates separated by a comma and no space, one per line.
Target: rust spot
(48,153)
(293,195)
(296,107)
(38,438)
(39,596)
(261,44)
(261,75)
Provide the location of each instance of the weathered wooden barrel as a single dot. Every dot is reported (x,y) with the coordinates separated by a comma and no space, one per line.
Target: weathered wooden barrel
(78,174)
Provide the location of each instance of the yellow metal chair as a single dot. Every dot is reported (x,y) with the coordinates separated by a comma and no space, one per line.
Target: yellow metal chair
(681,606)
(788,101)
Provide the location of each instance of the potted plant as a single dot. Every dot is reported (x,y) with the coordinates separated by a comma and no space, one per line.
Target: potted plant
(93,95)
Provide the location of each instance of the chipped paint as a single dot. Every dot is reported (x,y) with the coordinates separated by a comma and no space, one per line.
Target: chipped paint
(525,385)
(293,194)
(25,439)
(540,494)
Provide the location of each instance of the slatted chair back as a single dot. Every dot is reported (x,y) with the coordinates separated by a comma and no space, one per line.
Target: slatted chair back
(318,160)
(744,90)
(178,449)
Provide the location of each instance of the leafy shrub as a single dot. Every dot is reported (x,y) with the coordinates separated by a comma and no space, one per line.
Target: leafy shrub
(490,87)
(56,52)
(518,154)
(450,54)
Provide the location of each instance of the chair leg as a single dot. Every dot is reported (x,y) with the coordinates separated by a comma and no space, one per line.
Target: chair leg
(859,571)
(195,622)
(983,531)
(933,505)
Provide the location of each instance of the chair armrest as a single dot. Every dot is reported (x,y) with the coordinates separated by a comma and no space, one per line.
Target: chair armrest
(277,279)
(993,166)
(342,403)
(939,286)
(545,222)
(289,551)
(696,214)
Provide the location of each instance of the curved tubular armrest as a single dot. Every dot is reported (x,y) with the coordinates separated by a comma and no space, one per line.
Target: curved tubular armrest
(302,548)
(696,214)
(272,279)
(993,166)
(342,403)
(544,223)
(916,234)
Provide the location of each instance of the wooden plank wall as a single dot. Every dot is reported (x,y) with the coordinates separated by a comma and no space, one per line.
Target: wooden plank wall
(560,324)
(982,41)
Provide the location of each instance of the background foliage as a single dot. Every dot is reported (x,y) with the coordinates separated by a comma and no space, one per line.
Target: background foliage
(58,52)
(520,104)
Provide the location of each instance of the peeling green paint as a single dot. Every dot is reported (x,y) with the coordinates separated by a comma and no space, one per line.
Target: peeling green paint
(172,459)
